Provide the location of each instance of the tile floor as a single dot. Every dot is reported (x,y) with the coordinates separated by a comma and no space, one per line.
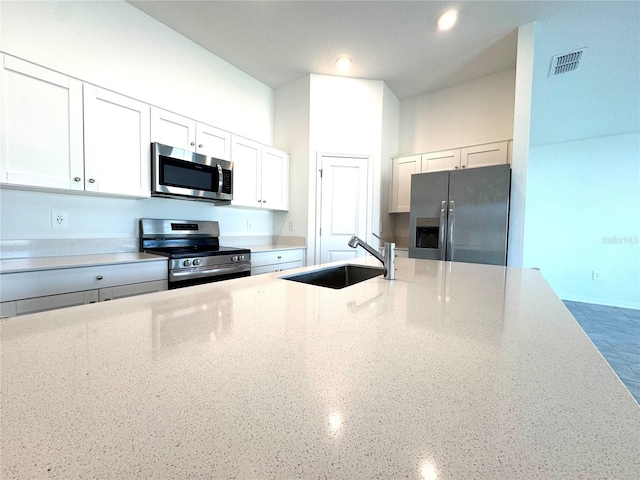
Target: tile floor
(616,333)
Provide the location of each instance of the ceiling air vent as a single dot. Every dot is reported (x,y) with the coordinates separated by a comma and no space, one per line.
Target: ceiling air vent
(567,62)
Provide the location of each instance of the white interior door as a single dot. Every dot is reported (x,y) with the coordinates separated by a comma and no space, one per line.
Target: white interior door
(343,206)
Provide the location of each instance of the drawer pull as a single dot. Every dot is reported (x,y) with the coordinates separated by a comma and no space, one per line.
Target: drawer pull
(99,277)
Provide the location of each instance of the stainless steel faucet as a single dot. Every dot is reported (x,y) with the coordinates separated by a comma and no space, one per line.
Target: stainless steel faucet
(389,258)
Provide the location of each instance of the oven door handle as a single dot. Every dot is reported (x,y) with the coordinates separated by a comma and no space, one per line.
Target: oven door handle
(213,271)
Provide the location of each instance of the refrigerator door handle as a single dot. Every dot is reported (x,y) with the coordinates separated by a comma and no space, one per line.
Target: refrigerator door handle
(452,208)
(443,229)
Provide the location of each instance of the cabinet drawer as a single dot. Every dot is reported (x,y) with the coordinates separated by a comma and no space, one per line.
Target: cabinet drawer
(122,291)
(259,259)
(33,305)
(7,309)
(21,285)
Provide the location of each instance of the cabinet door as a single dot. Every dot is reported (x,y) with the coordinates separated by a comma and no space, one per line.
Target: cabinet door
(172,129)
(275,179)
(117,143)
(41,127)
(213,142)
(403,168)
(440,161)
(484,155)
(245,155)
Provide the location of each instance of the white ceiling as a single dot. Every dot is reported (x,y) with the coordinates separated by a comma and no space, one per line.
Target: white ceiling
(395,41)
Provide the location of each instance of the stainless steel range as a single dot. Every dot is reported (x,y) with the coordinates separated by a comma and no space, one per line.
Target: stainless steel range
(194,251)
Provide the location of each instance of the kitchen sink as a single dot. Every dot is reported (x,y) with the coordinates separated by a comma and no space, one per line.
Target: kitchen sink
(337,277)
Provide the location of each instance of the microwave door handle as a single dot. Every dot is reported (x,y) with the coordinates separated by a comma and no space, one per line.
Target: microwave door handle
(220,180)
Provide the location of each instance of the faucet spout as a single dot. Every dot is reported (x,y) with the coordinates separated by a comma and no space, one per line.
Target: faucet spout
(388,260)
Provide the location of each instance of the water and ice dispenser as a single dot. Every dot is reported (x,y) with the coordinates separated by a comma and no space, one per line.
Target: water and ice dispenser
(427,233)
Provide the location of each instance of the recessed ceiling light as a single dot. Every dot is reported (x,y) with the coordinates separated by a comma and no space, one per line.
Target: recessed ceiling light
(343,64)
(447,20)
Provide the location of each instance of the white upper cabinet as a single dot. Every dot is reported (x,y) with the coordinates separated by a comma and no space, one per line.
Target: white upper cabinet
(60,133)
(172,129)
(41,143)
(177,131)
(484,155)
(117,143)
(275,179)
(213,142)
(403,168)
(260,175)
(440,161)
(245,155)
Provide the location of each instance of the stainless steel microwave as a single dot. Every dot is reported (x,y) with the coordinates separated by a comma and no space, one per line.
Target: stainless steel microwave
(179,173)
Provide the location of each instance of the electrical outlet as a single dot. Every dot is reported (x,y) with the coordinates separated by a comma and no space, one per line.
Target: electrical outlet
(291,229)
(59,219)
(249,225)
(596,275)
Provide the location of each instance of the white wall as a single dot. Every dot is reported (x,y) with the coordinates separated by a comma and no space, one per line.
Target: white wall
(583,214)
(521,134)
(114,45)
(583,174)
(480,111)
(27,215)
(292,135)
(390,136)
(346,118)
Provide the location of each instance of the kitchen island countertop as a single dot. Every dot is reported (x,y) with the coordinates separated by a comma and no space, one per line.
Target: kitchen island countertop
(451,371)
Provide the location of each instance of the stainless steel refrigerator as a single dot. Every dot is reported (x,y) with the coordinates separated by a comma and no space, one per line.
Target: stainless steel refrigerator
(461,215)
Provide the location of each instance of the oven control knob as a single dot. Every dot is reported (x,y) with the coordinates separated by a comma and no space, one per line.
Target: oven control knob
(187,263)
(241,258)
(234,258)
(196,262)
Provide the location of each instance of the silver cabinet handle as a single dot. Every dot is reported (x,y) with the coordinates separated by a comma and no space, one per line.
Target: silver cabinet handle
(443,229)
(99,277)
(200,146)
(76,179)
(193,143)
(452,211)
(91,180)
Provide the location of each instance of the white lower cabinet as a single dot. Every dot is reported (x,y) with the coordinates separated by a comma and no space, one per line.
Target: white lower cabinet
(37,291)
(276,260)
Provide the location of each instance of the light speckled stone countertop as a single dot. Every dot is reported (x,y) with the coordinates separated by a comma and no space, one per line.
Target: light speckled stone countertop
(452,371)
(13,265)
